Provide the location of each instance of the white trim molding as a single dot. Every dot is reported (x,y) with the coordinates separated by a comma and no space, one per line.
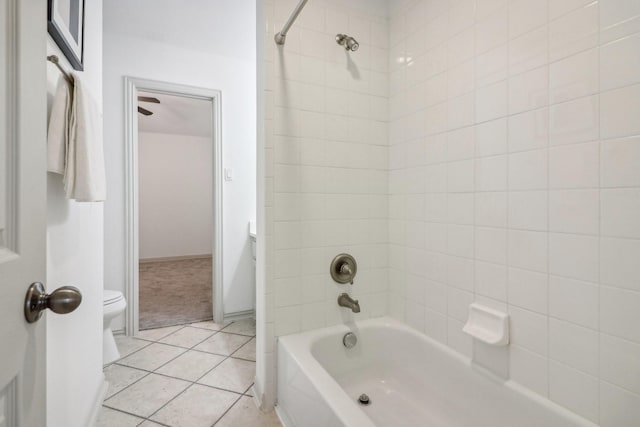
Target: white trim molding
(131,87)
(174,258)
(239,315)
(9,138)
(97,404)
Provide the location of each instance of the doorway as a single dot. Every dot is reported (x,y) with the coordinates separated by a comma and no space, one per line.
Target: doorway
(174,193)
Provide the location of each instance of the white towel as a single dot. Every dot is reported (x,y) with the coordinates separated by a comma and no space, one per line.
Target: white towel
(58,133)
(84,174)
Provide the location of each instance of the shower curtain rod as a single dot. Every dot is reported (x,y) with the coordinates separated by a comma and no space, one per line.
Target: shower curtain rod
(281,37)
(56,61)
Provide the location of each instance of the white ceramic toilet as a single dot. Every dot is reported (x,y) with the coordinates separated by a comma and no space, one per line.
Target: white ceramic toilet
(252,236)
(113,305)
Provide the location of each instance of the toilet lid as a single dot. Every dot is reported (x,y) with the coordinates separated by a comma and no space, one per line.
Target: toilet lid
(111,296)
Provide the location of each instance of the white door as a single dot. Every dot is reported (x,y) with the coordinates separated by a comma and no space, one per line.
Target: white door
(22,208)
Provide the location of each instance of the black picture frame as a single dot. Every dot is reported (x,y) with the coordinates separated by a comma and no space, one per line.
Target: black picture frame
(68,33)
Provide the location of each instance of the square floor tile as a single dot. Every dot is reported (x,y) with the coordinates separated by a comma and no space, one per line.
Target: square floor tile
(242,327)
(222,343)
(187,337)
(199,406)
(247,351)
(232,374)
(245,413)
(208,325)
(152,357)
(191,365)
(120,377)
(147,395)
(127,345)
(150,424)
(158,333)
(112,418)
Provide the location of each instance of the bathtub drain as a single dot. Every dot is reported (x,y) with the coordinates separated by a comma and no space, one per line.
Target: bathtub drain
(364,399)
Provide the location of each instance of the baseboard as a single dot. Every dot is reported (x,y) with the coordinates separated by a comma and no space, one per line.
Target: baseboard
(239,315)
(174,258)
(283,417)
(97,404)
(256,398)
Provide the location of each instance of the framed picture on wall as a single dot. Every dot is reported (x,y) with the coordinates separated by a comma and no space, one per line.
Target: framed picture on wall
(65,23)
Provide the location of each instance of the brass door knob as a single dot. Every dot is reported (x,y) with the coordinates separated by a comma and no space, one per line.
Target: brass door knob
(62,301)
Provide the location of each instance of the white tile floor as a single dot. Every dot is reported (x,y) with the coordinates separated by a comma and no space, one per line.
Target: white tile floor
(185,376)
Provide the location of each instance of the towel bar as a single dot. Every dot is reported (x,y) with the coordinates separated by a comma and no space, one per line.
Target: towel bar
(56,62)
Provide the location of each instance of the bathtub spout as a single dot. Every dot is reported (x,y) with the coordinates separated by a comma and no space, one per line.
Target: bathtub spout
(344,300)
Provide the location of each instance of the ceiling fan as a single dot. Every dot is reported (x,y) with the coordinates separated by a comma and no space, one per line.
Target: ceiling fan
(144,111)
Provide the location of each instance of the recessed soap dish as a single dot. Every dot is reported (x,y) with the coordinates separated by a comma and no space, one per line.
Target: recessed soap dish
(487,325)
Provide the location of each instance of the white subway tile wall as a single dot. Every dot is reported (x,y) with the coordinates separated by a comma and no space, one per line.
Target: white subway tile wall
(470,150)
(326,153)
(538,190)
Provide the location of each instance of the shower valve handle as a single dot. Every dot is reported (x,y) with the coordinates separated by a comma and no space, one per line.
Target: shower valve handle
(343,268)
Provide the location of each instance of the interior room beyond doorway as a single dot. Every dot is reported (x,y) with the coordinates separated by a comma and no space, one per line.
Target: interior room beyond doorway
(175,210)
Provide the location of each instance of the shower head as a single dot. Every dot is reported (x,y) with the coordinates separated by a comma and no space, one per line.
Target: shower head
(348,42)
(352,44)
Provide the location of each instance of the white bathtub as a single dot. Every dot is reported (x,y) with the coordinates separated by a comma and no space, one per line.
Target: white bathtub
(410,379)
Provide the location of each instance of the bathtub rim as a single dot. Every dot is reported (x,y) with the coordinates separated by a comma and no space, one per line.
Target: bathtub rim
(299,345)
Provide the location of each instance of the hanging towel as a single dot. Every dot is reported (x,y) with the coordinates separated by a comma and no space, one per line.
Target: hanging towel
(58,133)
(84,175)
(81,137)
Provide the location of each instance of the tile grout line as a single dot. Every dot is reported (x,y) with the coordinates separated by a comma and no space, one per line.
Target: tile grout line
(181,379)
(145,370)
(148,343)
(144,419)
(227,411)
(196,381)
(230,356)
(215,332)
(192,348)
(163,336)
(117,362)
(179,346)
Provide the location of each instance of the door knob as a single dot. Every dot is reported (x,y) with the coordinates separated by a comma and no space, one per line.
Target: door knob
(62,301)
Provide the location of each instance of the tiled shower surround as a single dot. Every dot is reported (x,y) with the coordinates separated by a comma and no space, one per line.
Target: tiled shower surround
(470,150)
(326,152)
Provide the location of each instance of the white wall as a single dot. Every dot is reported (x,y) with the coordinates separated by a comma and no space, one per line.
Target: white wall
(325,169)
(175,195)
(208,44)
(75,257)
(515,165)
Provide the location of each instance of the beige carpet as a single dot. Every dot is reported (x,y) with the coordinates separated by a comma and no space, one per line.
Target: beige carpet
(175,292)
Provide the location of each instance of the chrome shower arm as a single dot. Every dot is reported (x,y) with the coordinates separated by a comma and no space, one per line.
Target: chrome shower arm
(281,37)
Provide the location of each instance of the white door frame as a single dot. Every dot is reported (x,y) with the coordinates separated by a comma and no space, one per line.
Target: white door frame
(132,86)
